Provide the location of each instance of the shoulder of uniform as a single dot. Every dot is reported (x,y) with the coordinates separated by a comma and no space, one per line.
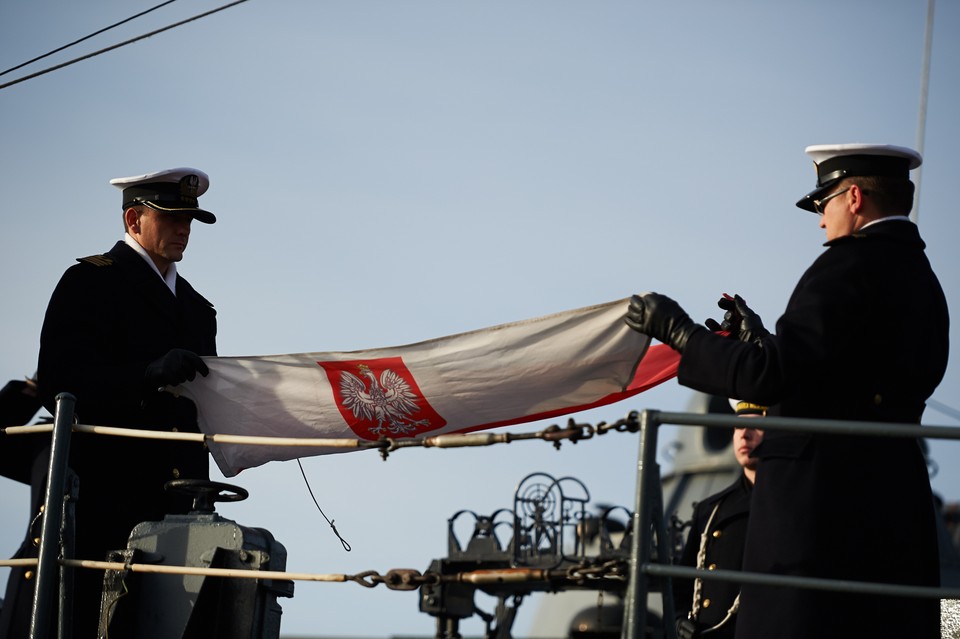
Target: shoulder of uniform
(709,501)
(719,496)
(97,260)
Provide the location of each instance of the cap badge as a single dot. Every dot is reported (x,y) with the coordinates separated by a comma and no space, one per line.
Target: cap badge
(189,185)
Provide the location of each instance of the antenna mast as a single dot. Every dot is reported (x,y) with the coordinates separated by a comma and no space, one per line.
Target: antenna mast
(922,119)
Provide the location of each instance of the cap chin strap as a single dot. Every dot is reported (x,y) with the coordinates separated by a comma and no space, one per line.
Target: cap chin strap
(830,177)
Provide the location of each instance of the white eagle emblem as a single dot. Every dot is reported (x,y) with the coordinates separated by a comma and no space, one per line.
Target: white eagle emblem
(390,401)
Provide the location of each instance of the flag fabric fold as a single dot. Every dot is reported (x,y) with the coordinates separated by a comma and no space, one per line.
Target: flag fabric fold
(507,374)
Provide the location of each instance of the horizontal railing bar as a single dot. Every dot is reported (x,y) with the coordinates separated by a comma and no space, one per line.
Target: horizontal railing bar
(815,583)
(828,426)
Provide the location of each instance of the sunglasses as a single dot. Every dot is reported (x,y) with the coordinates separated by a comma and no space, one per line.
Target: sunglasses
(819,205)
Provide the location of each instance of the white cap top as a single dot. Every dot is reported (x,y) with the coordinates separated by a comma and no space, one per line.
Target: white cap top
(167,175)
(822,152)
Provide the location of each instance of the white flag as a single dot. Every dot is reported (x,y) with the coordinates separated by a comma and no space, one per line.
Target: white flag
(507,374)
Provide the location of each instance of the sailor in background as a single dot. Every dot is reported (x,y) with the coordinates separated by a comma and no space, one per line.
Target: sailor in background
(707,608)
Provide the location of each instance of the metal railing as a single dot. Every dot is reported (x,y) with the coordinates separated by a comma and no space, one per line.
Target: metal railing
(648,516)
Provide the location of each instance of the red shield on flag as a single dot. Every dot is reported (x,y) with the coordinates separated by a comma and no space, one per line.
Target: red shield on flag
(380,398)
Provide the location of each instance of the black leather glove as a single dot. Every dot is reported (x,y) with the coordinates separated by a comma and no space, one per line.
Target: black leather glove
(751,327)
(738,320)
(177,366)
(660,317)
(686,629)
(731,317)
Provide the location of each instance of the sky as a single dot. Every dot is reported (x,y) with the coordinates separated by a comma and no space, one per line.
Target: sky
(385,172)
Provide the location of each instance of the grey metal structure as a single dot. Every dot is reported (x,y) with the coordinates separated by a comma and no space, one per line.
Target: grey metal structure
(196,605)
(701,462)
(154,606)
(544,548)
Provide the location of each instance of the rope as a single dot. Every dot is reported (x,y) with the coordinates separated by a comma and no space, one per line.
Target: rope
(573,432)
(701,562)
(394,579)
(698,582)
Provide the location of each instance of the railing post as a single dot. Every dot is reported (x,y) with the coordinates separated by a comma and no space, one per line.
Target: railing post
(47,563)
(635,619)
(665,556)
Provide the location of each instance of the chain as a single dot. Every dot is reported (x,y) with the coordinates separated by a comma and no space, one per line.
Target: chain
(614,569)
(410,579)
(628,424)
(396,579)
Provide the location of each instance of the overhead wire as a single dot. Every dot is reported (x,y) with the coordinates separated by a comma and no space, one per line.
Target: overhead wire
(121,44)
(95,33)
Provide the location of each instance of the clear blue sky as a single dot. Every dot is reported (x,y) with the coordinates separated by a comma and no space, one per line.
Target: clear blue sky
(387,172)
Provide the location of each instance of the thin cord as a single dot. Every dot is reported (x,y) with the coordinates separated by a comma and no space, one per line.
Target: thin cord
(117,46)
(943,408)
(343,541)
(95,33)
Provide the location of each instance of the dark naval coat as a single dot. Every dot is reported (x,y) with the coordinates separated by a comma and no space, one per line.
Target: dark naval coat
(864,337)
(726,531)
(108,318)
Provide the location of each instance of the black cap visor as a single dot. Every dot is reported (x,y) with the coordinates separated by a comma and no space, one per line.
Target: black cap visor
(198,214)
(166,198)
(806,202)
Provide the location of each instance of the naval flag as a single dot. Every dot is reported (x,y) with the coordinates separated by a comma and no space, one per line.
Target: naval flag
(508,374)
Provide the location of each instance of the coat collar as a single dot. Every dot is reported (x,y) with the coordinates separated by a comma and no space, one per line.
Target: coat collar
(897,230)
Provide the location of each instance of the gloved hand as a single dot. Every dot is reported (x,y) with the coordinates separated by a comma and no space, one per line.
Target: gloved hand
(177,366)
(731,318)
(751,327)
(660,317)
(686,629)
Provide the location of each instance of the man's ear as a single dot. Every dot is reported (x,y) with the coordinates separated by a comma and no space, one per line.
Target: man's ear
(856,199)
(132,219)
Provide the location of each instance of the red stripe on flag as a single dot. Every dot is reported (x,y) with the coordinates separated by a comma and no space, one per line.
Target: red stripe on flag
(658,365)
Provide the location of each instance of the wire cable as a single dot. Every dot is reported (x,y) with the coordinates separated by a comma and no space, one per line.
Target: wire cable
(346,546)
(95,33)
(122,44)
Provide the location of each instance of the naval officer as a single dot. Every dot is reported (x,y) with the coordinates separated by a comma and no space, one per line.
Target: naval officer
(119,327)
(864,337)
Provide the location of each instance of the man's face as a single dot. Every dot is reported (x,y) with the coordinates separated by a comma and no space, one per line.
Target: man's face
(745,440)
(163,235)
(836,218)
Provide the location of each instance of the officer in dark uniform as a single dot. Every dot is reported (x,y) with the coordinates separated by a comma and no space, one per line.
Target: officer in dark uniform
(119,328)
(864,337)
(718,531)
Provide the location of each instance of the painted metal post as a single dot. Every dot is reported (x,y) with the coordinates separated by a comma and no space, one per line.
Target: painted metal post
(48,564)
(635,617)
(665,556)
